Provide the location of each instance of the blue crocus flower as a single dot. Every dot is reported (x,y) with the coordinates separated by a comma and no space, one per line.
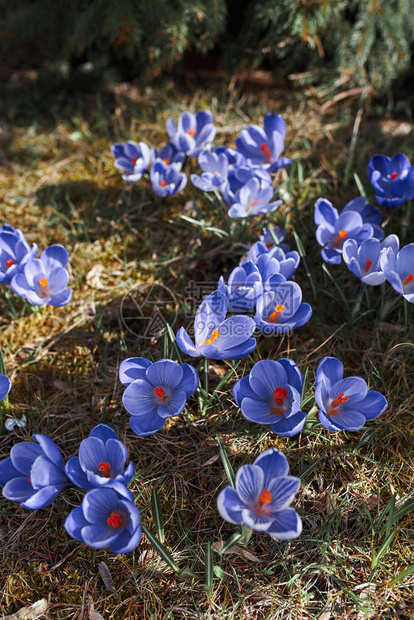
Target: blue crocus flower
(253,199)
(392,179)
(44,280)
(364,260)
(101,461)
(5,386)
(344,404)
(106,518)
(215,169)
(262,496)
(369,213)
(398,268)
(167,179)
(234,158)
(169,154)
(280,308)
(14,252)
(244,287)
(267,239)
(238,177)
(263,147)
(271,395)
(288,261)
(155,391)
(215,336)
(34,475)
(334,228)
(132,159)
(193,133)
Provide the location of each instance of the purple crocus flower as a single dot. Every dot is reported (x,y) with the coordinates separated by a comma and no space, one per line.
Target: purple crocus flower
(167,180)
(267,239)
(252,199)
(5,386)
(132,159)
(392,179)
(244,287)
(169,154)
(333,229)
(280,308)
(101,461)
(155,391)
(234,158)
(364,260)
(238,177)
(288,261)
(398,268)
(14,252)
(44,280)
(215,169)
(106,518)
(263,147)
(193,133)
(369,213)
(34,475)
(262,496)
(215,336)
(271,394)
(344,404)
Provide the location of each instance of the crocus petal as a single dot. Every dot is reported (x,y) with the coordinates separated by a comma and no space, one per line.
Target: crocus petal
(373,405)
(273,464)
(44,497)
(8,471)
(229,505)
(74,523)
(165,373)
(289,426)
(18,489)
(146,424)
(249,483)
(138,398)
(286,525)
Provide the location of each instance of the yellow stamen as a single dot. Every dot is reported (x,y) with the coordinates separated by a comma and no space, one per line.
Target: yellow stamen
(213,337)
(43,283)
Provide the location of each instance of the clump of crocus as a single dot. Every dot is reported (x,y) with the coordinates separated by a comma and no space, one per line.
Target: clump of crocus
(14,252)
(238,177)
(44,280)
(244,287)
(364,260)
(271,394)
(169,154)
(193,132)
(215,336)
(5,386)
(215,170)
(155,391)
(253,199)
(262,496)
(167,179)
(288,262)
(344,403)
(398,268)
(334,228)
(106,518)
(267,239)
(392,179)
(280,308)
(263,147)
(132,159)
(34,475)
(101,461)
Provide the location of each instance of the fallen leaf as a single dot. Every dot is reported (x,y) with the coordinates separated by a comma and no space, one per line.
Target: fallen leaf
(106,576)
(212,460)
(93,277)
(31,612)
(236,550)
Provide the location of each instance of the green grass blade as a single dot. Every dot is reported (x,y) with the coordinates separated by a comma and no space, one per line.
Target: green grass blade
(161,550)
(226,463)
(157,514)
(237,537)
(209,568)
(405,573)
(383,550)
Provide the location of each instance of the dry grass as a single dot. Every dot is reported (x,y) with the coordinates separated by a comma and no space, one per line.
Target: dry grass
(59,186)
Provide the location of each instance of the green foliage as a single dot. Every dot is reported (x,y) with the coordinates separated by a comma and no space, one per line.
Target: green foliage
(360,42)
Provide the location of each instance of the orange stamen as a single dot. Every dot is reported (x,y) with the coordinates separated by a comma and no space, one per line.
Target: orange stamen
(10,263)
(163,183)
(134,160)
(265,498)
(191,132)
(253,203)
(368,265)
(275,315)
(166,160)
(43,283)
(408,279)
(339,400)
(279,395)
(265,149)
(159,392)
(213,337)
(105,468)
(341,236)
(269,245)
(116,520)
(394,175)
